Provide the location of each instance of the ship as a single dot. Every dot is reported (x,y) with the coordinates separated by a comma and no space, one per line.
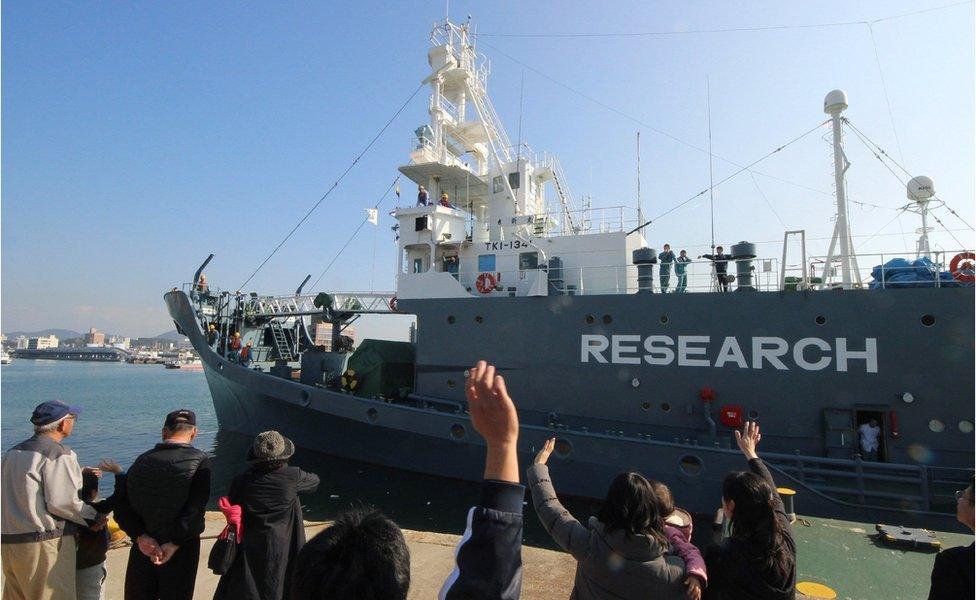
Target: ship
(565,301)
(87,353)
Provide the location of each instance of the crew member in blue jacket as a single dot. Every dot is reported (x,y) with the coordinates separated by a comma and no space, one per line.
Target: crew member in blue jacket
(721,262)
(680,264)
(666,259)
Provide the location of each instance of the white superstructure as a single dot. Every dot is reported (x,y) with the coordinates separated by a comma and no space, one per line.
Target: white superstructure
(500,227)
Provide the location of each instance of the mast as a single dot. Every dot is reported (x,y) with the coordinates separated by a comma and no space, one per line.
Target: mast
(640,212)
(834,104)
(920,191)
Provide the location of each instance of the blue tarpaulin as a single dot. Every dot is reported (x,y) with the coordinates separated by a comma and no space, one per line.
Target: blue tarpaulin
(903,273)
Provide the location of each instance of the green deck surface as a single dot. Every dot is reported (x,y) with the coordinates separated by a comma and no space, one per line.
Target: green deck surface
(846,556)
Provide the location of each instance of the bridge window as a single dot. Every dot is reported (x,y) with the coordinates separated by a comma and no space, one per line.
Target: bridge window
(418,265)
(486,263)
(513,180)
(528,261)
(497,185)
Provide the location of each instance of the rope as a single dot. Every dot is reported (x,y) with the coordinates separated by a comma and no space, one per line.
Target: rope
(354,233)
(884,88)
(768,203)
(719,30)
(634,119)
(334,185)
(745,168)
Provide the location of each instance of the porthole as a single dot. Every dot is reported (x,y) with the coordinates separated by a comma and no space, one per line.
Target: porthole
(820,320)
(936,426)
(666,407)
(479,319)
(450,383)
(928,320)
(373,415)
(635,383)
(589,319)
(563,448)
(450,319)
(457,431)
(646,405)
(306,398)
(690,465)
(607,319)
(663,319)
(753,415)
(966,426)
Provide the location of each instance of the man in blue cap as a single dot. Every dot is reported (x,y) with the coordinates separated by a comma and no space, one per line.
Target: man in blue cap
(41,509)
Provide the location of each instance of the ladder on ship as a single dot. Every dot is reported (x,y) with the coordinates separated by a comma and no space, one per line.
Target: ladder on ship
(282,344)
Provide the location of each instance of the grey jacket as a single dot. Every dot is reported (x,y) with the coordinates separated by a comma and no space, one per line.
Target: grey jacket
(41,479)
(611,564)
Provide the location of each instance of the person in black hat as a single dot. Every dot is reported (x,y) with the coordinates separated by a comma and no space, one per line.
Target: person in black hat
(167,489)
(41,510)
(272,522)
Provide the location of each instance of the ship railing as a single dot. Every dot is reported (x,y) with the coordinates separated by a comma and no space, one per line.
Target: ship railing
(875,272)
(447,106)
(609,219)
(911,486)
(590,280)
(304,304)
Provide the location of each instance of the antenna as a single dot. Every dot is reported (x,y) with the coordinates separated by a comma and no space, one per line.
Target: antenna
(711,185)
(640,213)
(521,96)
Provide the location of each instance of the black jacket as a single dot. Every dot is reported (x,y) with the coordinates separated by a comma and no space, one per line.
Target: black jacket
(168,488)
(488,559)
(734,569)
(721,261)
(953,572)
(273,533)
(93,545)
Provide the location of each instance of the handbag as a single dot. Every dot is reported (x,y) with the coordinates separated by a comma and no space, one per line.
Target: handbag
(224,550)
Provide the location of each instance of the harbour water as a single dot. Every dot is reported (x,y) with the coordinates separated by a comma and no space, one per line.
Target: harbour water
(124,406)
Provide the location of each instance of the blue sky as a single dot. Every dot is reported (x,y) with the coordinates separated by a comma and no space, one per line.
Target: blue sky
(139,137)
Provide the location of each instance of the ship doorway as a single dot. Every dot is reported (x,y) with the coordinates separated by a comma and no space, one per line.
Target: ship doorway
(864,417)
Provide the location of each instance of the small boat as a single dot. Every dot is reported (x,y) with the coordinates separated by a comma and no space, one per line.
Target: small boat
(186,364)
(5,359)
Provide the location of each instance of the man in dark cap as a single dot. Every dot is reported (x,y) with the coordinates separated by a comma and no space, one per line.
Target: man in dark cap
(167,489)
(41,510)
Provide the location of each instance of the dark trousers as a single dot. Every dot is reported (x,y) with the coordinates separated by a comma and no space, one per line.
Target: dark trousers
(723,282)
(665,281)
(173,580)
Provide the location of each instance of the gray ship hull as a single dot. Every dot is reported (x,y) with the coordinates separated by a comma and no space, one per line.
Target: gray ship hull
(610,416)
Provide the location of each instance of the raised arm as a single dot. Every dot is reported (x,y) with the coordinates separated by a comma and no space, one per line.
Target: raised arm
(488,561)
(564,528)
(748,440)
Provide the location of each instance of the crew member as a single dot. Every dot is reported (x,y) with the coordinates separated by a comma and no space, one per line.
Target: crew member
(235,347)
(869,433)
(167,490)
(446,200)
(245,358)
(666,258)
(422,197)
(211,335)
(721,262)
(680,264)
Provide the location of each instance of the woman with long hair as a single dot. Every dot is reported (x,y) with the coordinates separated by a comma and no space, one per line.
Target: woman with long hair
(758,560)
(623,552)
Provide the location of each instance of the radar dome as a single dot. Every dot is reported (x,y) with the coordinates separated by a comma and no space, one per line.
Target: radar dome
(836,101)
(920,188)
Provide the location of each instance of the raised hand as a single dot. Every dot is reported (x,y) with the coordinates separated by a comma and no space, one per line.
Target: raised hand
(748,439)
(493,415)
(96,471)
(694,586)
(107,464)
(547,448)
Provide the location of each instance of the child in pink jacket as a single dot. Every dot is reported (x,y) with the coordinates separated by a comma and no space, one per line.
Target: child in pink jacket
(678,528)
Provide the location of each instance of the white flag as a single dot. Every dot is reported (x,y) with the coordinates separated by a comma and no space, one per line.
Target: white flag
(372,216)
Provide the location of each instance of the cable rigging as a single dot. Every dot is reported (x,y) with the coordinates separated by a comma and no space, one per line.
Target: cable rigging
(355,232)
(334,186)
(745,168)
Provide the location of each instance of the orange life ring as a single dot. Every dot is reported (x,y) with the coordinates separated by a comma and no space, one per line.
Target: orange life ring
(962,267)
(393,304)
(486,283)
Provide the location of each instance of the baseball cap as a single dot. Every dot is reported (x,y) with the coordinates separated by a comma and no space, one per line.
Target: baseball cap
(51,411)
(179,417)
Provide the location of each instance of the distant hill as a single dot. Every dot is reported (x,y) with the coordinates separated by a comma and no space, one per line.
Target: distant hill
(172,335)
(63,334)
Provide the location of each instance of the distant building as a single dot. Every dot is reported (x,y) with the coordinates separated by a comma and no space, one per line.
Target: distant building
(322,335)
(94,338)
(22,342)
(42,342)
(118,341)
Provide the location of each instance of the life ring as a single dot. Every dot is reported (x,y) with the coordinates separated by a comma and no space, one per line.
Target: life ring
(962,267)
(486,283)
(393,304)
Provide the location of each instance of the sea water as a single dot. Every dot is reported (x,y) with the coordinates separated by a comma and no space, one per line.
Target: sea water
(123,411)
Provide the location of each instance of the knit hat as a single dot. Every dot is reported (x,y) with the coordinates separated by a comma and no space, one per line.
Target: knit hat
(268,446)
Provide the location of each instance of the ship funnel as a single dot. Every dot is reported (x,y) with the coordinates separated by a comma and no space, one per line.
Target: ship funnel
(742,254)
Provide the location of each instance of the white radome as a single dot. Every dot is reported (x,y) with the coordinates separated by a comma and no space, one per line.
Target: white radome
(920,188)
(836,101)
